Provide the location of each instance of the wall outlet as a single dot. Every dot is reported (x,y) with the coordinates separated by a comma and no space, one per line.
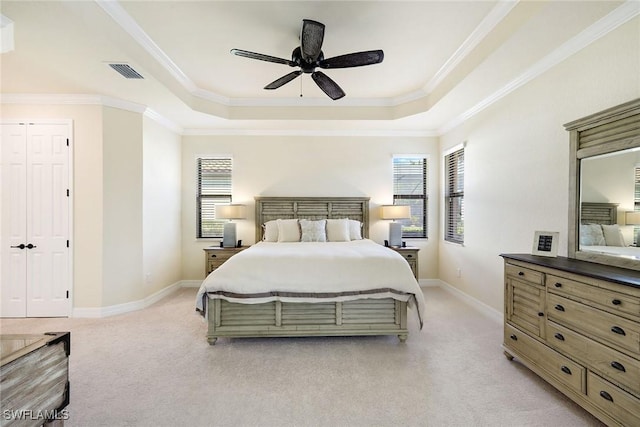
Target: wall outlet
(458,272)
(147,278)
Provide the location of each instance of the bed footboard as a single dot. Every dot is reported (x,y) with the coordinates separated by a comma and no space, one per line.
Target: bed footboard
(290,319)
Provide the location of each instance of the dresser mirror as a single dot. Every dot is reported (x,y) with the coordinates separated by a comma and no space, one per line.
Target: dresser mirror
(605,152)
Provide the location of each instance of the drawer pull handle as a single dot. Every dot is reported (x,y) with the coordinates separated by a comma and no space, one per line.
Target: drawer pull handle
(213,256)
(520,273)
(540,314)
(513,337)
(616,302)
(606,396)
(566,370)
(559,307)
(558,285)
(618,330)
(618,366)
(559,336)
(409,256)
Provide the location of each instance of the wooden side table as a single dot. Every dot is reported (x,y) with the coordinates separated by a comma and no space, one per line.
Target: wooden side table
(410,253)
(215,256)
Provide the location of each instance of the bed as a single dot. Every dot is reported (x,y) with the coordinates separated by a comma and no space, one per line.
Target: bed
(283,287)
(600,233)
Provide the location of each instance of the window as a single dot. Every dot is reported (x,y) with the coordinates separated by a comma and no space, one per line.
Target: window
(410,188)
(214,187)
(454,196)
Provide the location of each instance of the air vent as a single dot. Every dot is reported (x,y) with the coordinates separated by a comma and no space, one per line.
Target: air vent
(126,71)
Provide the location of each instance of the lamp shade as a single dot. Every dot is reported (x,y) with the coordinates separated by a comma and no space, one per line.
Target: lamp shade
(632,218)
(231,211)
(395,212)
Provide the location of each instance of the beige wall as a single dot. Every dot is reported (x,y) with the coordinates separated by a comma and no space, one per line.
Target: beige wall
(122,218)
(516,160)
(305,166)
(161,209)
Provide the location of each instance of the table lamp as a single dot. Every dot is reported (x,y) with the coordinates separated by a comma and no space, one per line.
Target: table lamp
(230,212)
(394,212)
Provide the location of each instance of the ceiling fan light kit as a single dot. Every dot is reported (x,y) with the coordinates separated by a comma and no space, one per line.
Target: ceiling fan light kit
(309,56)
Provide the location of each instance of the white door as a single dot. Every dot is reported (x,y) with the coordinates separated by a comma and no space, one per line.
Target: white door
(35,220)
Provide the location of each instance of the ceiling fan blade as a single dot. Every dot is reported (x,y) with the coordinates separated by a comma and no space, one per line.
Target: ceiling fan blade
(262,57)
(327,85)
(311,39)
(283,80)
(357,59)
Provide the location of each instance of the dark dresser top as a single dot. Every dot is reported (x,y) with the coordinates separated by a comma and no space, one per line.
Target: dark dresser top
(622,276)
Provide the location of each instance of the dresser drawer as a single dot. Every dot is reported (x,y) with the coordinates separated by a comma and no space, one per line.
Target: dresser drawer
(531,276)
(600,325)
(609,363)
(614,302)
(621,405)
(564,370)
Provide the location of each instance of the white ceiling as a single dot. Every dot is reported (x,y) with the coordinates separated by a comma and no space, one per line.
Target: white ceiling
(444,60)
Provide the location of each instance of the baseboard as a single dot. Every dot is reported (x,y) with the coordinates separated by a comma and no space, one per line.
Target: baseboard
(479,305)
(112,310)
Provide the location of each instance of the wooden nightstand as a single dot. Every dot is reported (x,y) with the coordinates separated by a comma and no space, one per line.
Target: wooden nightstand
(215,256)
(410,253)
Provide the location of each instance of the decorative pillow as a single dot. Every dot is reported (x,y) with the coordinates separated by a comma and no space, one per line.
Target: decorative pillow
(355,230)
(313,231)
(288,230)
(270,231)
(613,235)
(591,235)
(338,230)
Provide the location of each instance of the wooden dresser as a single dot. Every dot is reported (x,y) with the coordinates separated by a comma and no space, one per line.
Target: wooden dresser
(577,325)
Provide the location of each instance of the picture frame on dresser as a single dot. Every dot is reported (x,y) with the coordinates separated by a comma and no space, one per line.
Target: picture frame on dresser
(545,243)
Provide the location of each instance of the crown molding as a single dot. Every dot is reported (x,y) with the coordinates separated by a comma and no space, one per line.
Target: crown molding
(495,16)
(389,133)
(617,17)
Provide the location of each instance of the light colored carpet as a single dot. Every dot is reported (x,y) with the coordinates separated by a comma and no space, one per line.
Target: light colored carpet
(154,368)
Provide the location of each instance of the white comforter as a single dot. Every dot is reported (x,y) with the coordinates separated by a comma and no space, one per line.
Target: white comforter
(312,272)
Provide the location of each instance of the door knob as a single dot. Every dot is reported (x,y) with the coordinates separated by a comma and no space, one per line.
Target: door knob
(30,246)
(20,246)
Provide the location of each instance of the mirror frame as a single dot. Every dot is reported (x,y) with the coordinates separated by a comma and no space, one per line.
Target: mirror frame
(611,130)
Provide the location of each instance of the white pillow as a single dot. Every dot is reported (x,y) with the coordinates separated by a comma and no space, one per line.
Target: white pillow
(355,230)
(270,231)
(313,231)
(338,230)
(613,235)
(591,235)
(288,230)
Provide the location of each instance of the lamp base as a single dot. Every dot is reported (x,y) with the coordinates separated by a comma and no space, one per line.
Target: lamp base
(229,235)
(395,234)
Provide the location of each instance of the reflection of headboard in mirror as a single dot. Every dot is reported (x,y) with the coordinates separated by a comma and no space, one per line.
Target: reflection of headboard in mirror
(609,131)
(599,213)
(313,208)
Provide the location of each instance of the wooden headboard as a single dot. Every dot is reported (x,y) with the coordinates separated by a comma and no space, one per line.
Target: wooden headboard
(599,213)
(270,208)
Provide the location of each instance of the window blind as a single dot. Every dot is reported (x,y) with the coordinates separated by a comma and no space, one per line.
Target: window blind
(454,196)
(410,189)
(214,187)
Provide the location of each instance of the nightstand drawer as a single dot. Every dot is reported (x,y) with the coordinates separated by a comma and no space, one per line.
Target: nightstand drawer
(563,369)
(620,404)
(216,256)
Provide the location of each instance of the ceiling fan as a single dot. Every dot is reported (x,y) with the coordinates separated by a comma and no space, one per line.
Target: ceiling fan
(309,56)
